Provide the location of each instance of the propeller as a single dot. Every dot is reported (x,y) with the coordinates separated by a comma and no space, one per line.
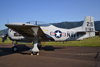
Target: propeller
(4,38)
(6,35)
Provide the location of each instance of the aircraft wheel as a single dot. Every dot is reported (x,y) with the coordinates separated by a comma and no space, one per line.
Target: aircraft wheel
(15,49)
(37,53)
(34,53)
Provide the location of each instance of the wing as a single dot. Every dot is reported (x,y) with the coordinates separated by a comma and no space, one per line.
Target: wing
(27,30)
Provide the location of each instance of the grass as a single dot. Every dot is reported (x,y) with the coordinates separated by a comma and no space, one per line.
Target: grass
(93,42)
(8,41)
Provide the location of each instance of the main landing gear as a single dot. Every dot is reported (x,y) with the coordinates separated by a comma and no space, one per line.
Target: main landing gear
(35,49)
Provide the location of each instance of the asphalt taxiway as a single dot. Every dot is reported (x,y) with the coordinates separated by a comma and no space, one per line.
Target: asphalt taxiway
(50,56)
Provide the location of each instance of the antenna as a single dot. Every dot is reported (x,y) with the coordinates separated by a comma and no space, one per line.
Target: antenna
(28,22)
(8,21)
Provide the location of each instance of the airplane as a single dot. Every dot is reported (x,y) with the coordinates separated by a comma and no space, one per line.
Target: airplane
(26,32)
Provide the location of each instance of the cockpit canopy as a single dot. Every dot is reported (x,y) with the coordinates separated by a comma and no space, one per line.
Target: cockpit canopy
(38,23)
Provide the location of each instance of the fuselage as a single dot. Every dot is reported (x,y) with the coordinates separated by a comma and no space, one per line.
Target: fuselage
(61,34)
(50,32)
(53,34)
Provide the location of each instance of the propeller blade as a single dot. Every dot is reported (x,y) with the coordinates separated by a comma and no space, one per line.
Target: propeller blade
(5,37)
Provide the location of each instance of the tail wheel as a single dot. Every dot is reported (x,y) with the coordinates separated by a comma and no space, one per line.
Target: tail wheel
(15,49)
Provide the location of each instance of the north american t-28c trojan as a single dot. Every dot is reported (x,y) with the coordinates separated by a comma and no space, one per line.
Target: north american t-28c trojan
(25,32)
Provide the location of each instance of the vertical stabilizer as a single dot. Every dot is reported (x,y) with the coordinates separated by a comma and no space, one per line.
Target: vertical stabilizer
(88,24)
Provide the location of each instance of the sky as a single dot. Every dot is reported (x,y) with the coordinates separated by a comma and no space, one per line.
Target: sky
(50,11)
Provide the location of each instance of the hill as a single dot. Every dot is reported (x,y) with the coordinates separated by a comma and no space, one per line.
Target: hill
(66,25)
(69,25)
(3,32)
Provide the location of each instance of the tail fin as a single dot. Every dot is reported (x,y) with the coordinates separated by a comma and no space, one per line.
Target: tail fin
(88,24)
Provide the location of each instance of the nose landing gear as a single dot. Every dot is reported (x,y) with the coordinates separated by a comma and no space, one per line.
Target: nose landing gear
(15,48)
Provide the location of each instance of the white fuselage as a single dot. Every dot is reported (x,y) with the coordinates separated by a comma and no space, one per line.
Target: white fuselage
(57,34)
(52,33)
(66,34)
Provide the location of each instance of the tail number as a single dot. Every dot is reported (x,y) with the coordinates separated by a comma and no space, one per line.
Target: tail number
(89,29)
(90,24)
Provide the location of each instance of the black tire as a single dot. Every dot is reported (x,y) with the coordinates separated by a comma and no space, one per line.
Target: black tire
(15,49)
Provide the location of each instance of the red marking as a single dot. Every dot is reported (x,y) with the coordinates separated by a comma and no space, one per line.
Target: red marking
(53,33)
(63,34)
(23,24)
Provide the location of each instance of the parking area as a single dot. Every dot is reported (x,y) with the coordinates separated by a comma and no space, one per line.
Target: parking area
(50,56)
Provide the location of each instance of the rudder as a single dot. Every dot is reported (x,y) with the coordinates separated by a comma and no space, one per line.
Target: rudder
(88,24)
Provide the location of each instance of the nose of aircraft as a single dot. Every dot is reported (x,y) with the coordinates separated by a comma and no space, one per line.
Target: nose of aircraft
(4,38)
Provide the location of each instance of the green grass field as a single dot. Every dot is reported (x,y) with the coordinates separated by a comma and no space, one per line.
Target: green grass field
(93,42)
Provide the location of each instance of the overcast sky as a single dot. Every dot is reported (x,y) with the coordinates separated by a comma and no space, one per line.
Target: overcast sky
(50,11)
